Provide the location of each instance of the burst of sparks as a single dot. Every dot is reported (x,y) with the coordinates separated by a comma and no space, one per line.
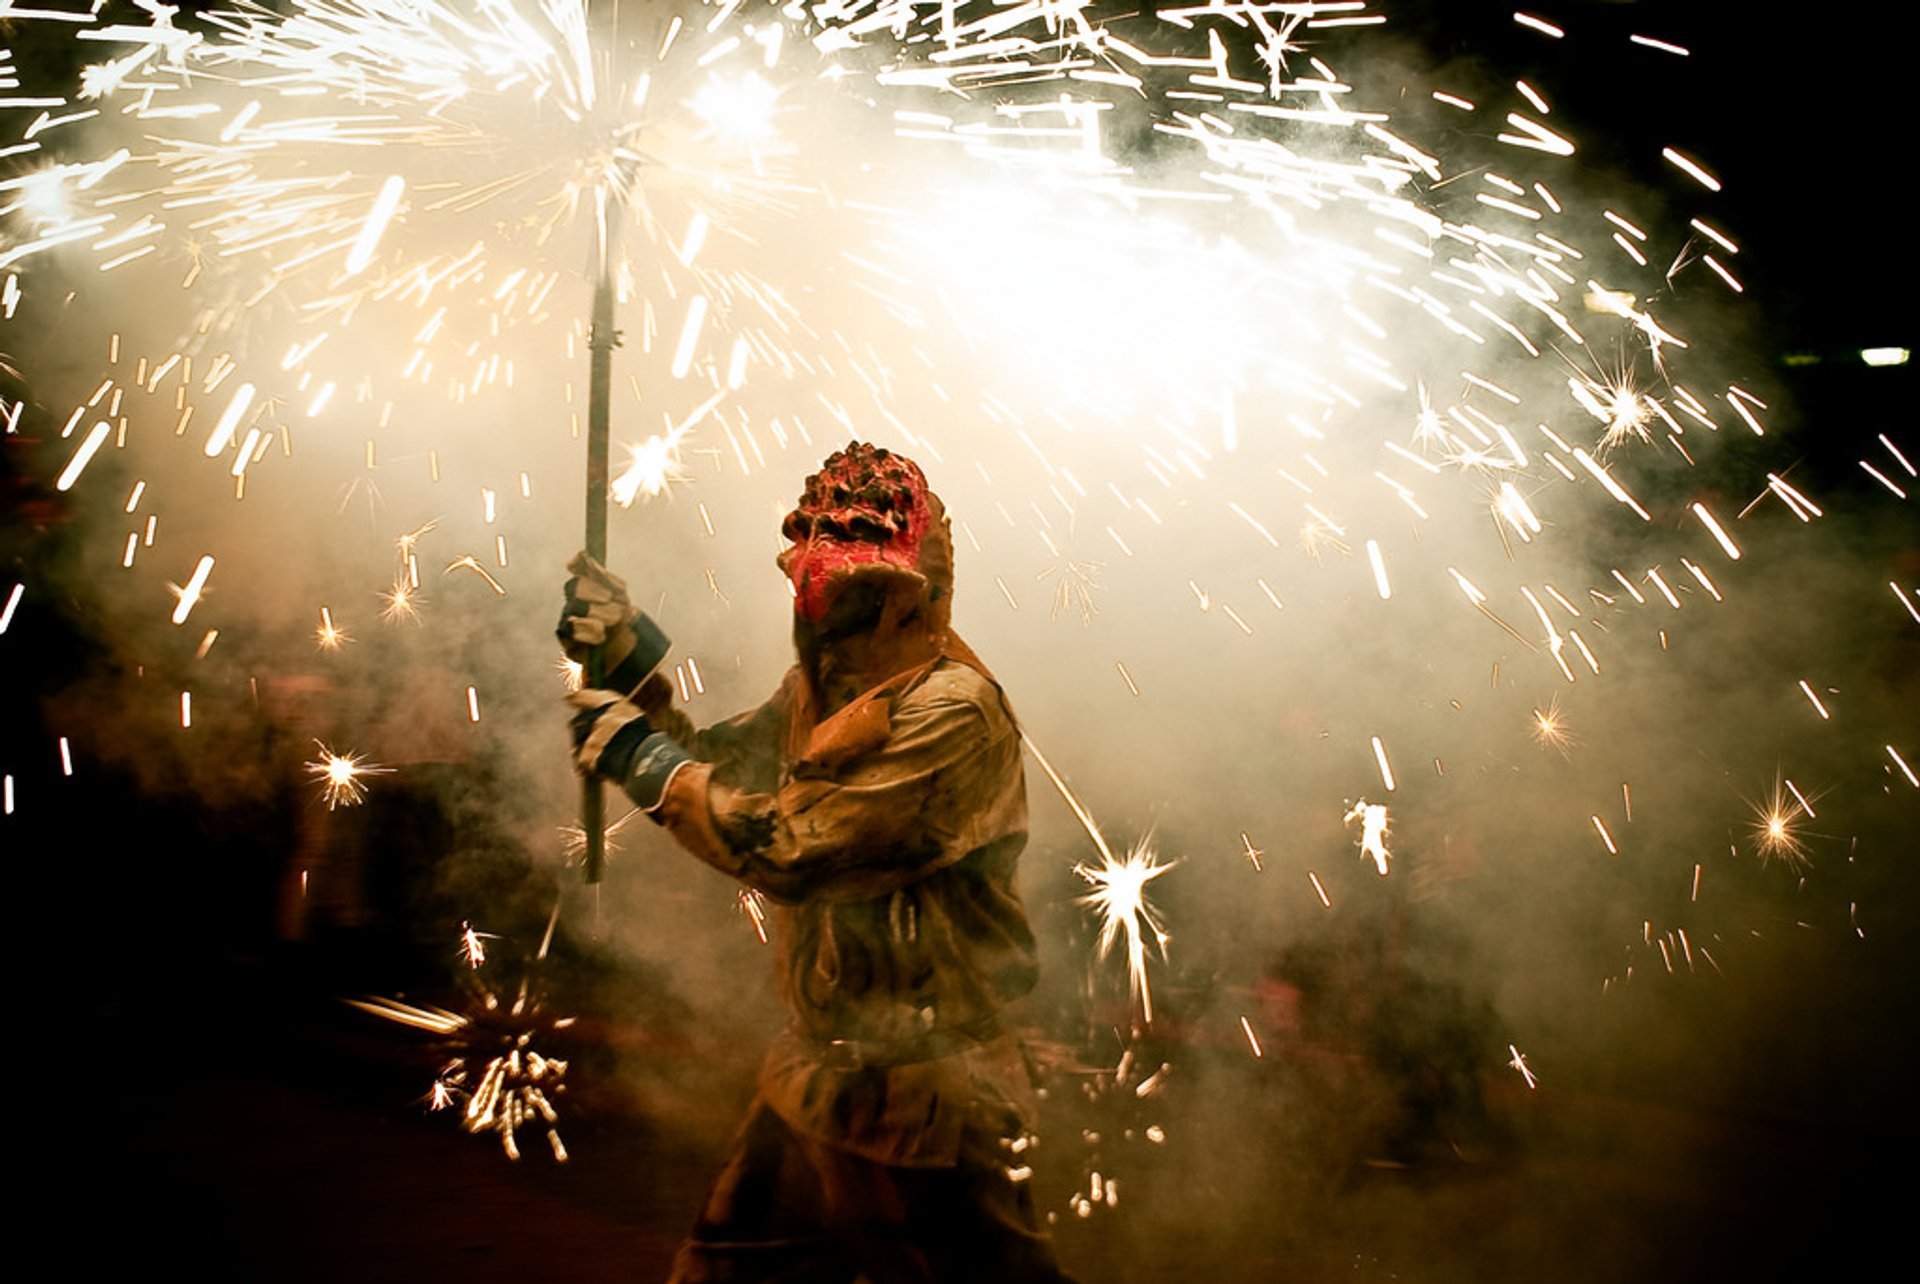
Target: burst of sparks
(1119,896)
(573,840)
(1550,727)
(496,1062)
(402,603)
(1776,827)
(343,776)
(329,636)
(653,465)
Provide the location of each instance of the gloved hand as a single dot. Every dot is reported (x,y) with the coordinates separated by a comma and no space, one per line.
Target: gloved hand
(599,614)
(613,740)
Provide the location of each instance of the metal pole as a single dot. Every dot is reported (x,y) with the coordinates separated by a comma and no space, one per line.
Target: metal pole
(601,341)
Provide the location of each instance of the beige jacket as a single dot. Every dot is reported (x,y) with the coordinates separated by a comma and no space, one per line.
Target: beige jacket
(887,837)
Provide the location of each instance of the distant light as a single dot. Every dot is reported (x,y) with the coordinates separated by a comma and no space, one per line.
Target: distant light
(1885,356)
(1802,359)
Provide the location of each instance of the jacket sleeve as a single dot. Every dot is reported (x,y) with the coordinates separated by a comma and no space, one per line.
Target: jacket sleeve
(945,780)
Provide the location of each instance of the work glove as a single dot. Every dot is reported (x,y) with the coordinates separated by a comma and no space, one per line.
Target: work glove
(613,740)
(599,614)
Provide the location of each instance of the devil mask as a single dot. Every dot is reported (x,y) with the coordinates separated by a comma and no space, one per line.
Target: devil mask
(867,516)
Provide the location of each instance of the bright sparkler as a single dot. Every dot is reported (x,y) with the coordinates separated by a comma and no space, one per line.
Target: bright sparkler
(343,776)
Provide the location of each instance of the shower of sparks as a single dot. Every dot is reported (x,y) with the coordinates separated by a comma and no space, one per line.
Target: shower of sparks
(1119,896)
(385,167)
(1372,819)
(496,1060)
(343,776)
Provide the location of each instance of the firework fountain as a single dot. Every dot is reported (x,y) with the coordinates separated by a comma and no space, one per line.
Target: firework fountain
(1321,428)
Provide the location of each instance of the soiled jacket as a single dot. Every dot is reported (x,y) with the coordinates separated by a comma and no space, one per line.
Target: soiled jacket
(886,836)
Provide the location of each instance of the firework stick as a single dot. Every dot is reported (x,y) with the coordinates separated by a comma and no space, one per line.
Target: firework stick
(600,343)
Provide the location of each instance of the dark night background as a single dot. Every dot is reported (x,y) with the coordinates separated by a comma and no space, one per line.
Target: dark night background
(196,1096)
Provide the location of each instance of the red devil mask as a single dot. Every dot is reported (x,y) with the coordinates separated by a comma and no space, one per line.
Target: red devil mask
(866,512)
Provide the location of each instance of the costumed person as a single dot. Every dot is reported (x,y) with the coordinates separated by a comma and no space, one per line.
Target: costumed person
(879,802)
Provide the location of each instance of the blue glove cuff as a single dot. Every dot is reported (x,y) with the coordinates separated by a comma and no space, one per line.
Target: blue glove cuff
(654,761)
(650,646)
